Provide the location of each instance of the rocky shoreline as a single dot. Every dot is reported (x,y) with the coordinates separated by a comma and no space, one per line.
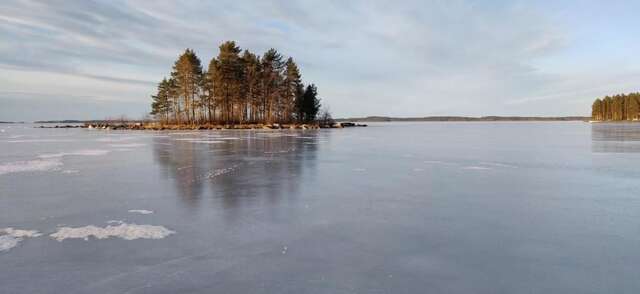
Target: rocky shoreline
(161,127)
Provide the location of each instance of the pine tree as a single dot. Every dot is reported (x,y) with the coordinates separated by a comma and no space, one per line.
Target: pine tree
(187,73)
(253,76)
(633,106)
(272,80)
(161,105)
(228,79)
(310,103)
(291,89)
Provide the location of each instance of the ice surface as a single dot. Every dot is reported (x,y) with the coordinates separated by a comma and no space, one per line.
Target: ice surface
(131,145)
(434,162)
(198,140)
(115,139)
(227,138)
(123,231)
(219,172)
(40,141)
(29,166)
(86,152)
(497,164)
(141,211)
(477,167)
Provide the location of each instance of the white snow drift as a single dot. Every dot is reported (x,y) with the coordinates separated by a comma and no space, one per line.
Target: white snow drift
(124,231)
(10,237)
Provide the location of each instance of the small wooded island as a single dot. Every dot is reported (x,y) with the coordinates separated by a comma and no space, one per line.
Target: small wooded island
(624,107)
(238,88)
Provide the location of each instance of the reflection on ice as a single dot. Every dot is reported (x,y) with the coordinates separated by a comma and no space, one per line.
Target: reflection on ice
(273,157)
(615,137)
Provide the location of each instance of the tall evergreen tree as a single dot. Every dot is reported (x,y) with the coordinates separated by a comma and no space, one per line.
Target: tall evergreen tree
(272,80)
(596,110)
(228,79)
(253,83)
(310,103)
(292,90)
(187,72)
(161,105)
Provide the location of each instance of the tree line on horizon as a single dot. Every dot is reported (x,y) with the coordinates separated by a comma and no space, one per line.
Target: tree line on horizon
(237,87)
(617,108)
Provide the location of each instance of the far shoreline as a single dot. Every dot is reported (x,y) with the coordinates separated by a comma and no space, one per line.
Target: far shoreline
(466,119)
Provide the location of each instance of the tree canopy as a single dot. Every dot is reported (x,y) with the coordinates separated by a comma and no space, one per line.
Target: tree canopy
(237,87)
(617,108)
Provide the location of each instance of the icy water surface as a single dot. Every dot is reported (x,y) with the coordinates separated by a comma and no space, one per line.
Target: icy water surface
(392,208)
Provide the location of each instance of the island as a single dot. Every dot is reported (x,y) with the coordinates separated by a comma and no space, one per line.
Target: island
(238,88)
(622,107)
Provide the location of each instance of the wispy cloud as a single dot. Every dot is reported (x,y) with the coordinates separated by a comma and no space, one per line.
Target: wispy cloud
(459,57)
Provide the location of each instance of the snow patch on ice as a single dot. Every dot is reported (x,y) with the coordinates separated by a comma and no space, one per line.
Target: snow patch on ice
(123,231)
(29,166)
(20,233)
(7,242)
(10,237)
(141,211)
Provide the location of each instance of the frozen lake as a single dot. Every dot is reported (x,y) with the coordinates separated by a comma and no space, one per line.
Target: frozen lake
(391,208)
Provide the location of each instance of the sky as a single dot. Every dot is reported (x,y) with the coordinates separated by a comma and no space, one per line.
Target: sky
(100,59)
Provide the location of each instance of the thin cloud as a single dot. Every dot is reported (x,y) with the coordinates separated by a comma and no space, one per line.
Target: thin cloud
(458,57)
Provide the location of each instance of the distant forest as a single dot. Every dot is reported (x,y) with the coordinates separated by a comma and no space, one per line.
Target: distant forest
(237,87)
(617,108)
(463,118)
